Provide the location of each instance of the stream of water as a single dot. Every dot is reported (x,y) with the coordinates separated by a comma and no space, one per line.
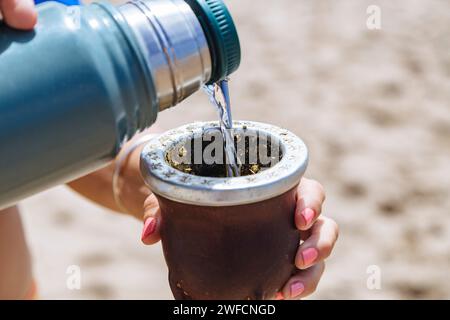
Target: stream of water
(219,96)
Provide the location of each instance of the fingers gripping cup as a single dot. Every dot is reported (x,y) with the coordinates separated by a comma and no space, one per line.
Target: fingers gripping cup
(227,238)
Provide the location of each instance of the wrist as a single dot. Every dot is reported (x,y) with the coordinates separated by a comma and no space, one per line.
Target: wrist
(129,188)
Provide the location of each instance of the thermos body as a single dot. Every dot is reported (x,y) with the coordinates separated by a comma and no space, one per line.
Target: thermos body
(85,80)
(63,98)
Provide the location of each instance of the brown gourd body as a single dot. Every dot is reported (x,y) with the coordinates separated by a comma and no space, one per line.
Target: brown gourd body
(243,252)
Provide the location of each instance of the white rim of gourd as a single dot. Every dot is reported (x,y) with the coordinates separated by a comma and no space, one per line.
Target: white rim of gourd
(175,185)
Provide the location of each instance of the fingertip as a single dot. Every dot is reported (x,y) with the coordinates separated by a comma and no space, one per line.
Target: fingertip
(299,223)
(152,224)
(304,218)
(311,194)
(29,22)
(151,240)
(279,296)
(285,293)
(304,283)
(299,261)
(335,227)
(150,232)
(293,290)
(306,258)
(32,19)
(20,14)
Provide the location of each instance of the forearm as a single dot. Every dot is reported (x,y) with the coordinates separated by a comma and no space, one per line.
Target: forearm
(15,261)
(98,186)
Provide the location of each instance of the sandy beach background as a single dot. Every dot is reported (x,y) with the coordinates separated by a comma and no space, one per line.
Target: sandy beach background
(374,109)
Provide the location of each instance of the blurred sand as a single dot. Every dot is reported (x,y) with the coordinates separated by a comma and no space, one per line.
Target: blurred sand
(374,108)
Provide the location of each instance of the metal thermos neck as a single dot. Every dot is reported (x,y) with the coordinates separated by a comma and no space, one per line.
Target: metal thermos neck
(175,46)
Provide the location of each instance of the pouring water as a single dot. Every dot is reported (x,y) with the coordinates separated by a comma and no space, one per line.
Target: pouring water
(219,96)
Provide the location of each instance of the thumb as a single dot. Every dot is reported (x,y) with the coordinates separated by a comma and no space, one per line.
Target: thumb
(19,14)
(152,219)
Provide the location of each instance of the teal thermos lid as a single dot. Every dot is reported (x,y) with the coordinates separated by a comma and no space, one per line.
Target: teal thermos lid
(222,36)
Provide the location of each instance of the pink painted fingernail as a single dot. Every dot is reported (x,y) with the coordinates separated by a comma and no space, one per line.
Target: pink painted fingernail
(149,228)
(297,289)
(279,296)
(309,256)
(308,216)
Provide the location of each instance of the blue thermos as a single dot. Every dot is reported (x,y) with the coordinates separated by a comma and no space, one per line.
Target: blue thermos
(88,78)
